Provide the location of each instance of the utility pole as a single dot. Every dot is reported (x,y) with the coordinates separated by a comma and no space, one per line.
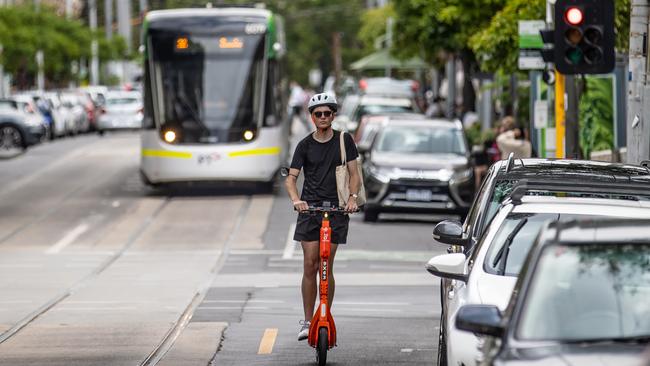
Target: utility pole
(68,9)
(336,54)
(94,46)
(638,126)
(124,22)
(40,77)
(108,18)
(450,69)
(2,74)
(389,43)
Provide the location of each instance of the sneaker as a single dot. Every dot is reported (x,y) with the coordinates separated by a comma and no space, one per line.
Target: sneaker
(304,330)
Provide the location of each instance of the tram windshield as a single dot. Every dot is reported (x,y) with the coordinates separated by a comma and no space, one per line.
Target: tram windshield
(209,86)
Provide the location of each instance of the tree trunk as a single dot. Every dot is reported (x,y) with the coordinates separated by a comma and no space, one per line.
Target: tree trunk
(469,94)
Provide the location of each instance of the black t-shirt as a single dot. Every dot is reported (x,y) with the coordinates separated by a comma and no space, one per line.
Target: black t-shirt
(319,162)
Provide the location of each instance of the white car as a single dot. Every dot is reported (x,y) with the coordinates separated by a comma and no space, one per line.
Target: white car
(77,111)
(487,274)
(122,110)
(63,117)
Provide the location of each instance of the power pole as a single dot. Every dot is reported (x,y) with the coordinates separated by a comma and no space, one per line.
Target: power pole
(389,43)
(336,54)
(108,18)
(638,126)
(124,22)
(94,46)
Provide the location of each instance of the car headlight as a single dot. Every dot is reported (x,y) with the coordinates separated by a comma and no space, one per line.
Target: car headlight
(381,174)
(461,176)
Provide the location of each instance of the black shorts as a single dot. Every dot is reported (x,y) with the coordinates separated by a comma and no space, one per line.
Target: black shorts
(308,228)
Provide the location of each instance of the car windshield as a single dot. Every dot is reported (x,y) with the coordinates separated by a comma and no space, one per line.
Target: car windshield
(595,292)
(514,239)
(421,140)
(383,109)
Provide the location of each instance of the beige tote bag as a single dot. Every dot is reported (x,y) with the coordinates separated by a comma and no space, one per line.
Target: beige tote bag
(343,178)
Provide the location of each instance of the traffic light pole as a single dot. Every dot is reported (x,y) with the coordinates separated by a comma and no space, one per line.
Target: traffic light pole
(572,137)
(559,115)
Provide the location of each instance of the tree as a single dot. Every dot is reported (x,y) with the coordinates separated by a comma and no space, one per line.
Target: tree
(440,29)
(62,42)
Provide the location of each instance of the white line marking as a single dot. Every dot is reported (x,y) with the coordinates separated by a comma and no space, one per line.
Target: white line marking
(97,309)
(241,301)
(254,252)
(373,303)
(70,237)
(233,308)
(342,310)
(21,266)
(290,245)
(406,350)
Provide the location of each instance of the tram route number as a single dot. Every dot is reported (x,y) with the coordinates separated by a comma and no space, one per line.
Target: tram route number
(208,159)
(255,28)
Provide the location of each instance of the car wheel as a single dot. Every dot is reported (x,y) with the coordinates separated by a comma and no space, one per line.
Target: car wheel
(442,344)
(370,215)
(11,139)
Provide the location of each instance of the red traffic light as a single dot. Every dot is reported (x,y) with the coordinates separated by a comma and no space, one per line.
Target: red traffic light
(573,15)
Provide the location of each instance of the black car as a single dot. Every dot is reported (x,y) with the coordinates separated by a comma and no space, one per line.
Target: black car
(418,166)
(582,298)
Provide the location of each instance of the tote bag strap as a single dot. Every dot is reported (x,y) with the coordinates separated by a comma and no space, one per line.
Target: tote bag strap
(343,156)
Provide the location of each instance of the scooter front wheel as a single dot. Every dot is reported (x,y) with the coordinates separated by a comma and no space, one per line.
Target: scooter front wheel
(321,347)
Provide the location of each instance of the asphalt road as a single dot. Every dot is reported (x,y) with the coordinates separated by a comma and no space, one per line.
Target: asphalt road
(97,269)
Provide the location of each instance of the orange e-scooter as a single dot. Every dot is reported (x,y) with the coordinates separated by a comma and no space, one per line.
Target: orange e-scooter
(322,331)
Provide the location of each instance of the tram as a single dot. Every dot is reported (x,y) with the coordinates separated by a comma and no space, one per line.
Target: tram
(214,100)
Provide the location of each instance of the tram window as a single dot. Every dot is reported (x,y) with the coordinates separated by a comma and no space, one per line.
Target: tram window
(273,102)
(148,121)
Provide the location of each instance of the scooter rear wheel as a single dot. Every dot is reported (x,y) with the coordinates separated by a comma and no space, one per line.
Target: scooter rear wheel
(321,347)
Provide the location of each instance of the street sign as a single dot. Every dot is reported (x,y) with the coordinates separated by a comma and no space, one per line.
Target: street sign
(541,114)
(530,44)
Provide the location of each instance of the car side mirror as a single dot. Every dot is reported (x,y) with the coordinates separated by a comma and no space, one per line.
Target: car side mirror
(480,319)
(451,266)
(449,232)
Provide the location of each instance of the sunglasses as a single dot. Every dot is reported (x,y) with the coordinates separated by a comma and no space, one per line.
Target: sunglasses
(320,114)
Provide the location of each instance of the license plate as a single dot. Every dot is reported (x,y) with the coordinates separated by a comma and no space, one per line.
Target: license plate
(418,195)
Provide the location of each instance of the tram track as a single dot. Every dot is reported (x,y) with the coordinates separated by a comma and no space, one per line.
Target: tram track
(168,340)
(31,317)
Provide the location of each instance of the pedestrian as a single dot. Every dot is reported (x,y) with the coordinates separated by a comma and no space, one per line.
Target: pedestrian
(297,100)
(512,140)
(318,155)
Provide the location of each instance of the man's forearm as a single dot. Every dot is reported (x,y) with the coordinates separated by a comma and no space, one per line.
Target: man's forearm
(292,189)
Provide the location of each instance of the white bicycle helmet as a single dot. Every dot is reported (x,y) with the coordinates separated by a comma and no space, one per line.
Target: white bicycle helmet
(321,100)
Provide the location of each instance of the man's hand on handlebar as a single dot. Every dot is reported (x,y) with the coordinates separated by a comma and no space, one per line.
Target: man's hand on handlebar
(352,205)
(300,206)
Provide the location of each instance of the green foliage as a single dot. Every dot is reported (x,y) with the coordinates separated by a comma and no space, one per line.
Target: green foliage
(24,31)
(435,26)
(373,25)
(597,116)
(496,46)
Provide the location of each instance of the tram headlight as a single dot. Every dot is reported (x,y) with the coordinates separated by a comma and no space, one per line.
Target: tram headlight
(170,136)
(248,135)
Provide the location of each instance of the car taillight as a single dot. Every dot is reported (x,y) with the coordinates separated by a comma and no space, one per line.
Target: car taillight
(363,84)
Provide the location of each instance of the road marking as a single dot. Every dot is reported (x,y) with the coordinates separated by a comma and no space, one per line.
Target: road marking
(70,237)
(373,303)
(234,308)
(267,342)
(290,245)
(254,252)
(406,350)
(241,301)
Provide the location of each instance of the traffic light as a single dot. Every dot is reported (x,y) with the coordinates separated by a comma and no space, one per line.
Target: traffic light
(584,36)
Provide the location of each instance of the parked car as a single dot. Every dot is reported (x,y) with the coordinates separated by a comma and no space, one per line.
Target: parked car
(355,107)
(63,119)
(487,274)
(18,130)
(581,299)
(419,166)
(370,125)
(77,111)
(122,110)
